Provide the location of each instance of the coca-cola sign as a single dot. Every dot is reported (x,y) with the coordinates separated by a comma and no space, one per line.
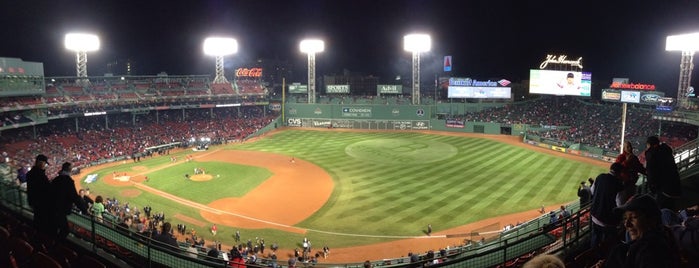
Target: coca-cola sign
(248,72)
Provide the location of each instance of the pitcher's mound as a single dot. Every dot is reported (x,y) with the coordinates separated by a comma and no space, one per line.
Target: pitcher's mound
(201,177)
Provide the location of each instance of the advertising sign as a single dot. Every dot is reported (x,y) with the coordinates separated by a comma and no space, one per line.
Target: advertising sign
(248,72)
(356,111)
(566,83)
(447,63)
(298,88)
(337,89)
(389,89)
(630,96)
(455,123)
(472,88)
(651,98)
(479,92)
(611,95)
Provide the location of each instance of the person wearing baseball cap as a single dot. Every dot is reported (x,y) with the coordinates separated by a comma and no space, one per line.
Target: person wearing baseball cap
(38,194)
(43,158)
(650,243)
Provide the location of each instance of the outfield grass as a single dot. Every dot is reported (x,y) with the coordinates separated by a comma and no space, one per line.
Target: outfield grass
(395,183)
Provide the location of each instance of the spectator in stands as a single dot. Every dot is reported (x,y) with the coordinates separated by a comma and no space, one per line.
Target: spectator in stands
(165,235)
(604,221)
(585,194)
(38,194)
(22,176)
(85,195)
(237,259)
(685,228)
(126,224)
(650,243)
(663,176)
(629,174)
(544,261)
(64,196)
(98,208)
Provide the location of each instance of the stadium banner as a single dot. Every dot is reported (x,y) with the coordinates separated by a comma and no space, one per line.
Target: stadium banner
(557,148)
(611,95)
(479,92)
(333,89)
(356,112)
(298,88)
(630,96)
(562,83)
(389,89)
(248,72)
(472,88)
(294,122)
(651,98)
(454,123)
(275,106)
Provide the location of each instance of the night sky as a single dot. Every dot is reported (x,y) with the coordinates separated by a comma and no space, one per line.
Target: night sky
(487,39)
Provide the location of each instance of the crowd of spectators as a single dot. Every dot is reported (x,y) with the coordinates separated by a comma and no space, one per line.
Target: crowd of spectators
(86,140)
(588,122)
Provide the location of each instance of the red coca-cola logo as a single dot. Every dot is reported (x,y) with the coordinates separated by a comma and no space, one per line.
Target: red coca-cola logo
(248,72)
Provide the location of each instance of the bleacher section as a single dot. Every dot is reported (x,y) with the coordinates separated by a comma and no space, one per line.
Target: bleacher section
(222,89)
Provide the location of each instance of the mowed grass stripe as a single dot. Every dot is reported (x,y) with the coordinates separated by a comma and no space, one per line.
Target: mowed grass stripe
(377,198)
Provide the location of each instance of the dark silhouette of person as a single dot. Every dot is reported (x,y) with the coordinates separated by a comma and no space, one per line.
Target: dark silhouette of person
(64,196)
(37,194)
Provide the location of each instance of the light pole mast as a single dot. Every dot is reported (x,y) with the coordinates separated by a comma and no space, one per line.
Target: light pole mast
(416,43)
(311,47)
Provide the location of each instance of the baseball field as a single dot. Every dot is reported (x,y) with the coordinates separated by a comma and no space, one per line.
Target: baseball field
(354,191)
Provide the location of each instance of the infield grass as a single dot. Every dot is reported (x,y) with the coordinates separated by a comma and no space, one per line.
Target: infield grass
(395,183)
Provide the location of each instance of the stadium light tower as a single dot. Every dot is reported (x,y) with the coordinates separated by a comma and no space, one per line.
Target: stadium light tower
(688,44)
(416,43)
(82,43)
(219,47)
(311,47)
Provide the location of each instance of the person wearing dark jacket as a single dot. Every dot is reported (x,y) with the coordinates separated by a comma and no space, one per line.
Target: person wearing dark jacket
(650,243)
(37,194)
(64,196)
(604,222)
(663,176)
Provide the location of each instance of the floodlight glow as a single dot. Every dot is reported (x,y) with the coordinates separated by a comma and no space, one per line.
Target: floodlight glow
(312,46)
(682,42)
(220,46)
(82,42)
(417,43)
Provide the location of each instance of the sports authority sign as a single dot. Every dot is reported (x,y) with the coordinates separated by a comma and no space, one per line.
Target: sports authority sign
(562,59)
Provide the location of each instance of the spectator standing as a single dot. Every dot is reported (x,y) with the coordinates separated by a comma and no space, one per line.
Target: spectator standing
(629,174)
(38,194)
(98,208)
(64,195)
(604,221)
(663,176)
(585,194)
(85,195)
